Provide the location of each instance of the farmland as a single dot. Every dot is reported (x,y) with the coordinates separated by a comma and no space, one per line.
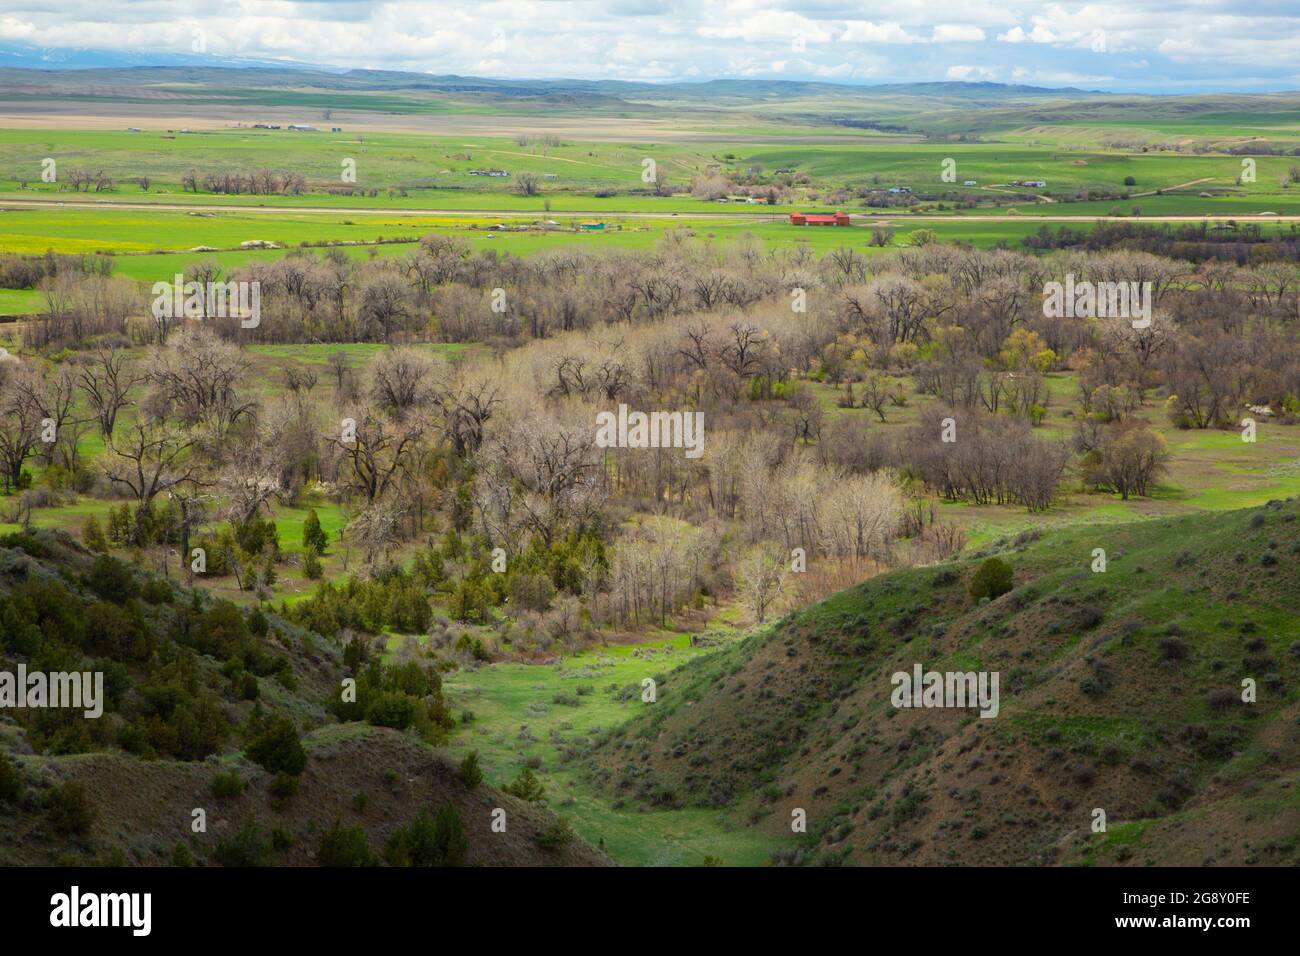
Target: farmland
(391,187)
(390,476)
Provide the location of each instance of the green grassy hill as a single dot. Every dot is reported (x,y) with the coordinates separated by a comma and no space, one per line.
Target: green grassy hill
(1120,691)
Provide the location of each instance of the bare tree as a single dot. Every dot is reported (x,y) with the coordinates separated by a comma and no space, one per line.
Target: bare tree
(153,457)
(20,423)
(527,184)
(375,528)
(107,377)
(379,452)
(200,379)
(760,576)
(403,379)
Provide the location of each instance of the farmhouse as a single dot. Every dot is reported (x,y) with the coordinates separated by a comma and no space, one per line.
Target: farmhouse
(900,190)
(834,219)
(593,227)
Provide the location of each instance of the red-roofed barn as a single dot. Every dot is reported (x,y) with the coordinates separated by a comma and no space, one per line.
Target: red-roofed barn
(833,219)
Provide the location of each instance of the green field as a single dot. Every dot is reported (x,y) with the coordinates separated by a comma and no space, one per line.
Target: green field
(516,717)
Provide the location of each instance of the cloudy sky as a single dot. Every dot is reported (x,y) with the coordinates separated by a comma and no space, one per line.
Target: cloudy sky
(1141,45)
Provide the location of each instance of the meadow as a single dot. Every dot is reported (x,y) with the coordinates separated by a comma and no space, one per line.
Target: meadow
(539,714)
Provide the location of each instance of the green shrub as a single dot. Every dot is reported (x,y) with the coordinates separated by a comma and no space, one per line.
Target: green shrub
(246,847)
(278,749)
(311,566)
(257,535)
(556,836)
(991,580)
(92,535)
(470,773)
(111,579)
(157,591)
(11,783)
(227,784)
(449,837)
(391,709)
(429,841)
(69,809)
(284,786)
(314,537)
(526,786)
(181,855)
(345,846)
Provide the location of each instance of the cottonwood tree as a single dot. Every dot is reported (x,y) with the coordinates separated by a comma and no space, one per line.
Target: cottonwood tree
(876,393)
(339,367)
(1130,459)
(537,475)
(760,576)
(106,377)
(380,452)
(52,397)
(299,380)
(20,422)
(467,407)
(191,504)
(153,456)
(1202,372)
(403,379)
(204,272)
(655,569)
(199,378)
(385,307)
(862,515)
(375,528)
(251,476)
(527,184)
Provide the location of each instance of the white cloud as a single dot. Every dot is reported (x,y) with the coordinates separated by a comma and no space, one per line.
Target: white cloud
(769,25)
(953,33)
(1174,43)
(864,31)
(1039,34)
(971,73)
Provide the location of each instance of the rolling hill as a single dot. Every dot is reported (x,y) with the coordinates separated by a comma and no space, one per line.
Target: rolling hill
(1120,691)
(187,686)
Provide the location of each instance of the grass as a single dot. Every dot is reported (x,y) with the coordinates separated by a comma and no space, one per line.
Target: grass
(506,698)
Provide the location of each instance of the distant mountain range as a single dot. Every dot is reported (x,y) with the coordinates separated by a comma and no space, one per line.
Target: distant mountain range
(29,57)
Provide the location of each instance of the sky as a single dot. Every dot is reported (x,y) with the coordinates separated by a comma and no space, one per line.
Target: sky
(1159,46)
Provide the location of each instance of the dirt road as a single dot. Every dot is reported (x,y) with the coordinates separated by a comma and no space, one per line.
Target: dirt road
(860,218)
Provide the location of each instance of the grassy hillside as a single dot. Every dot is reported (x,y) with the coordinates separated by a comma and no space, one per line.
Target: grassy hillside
(191,687)
(1120,691)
